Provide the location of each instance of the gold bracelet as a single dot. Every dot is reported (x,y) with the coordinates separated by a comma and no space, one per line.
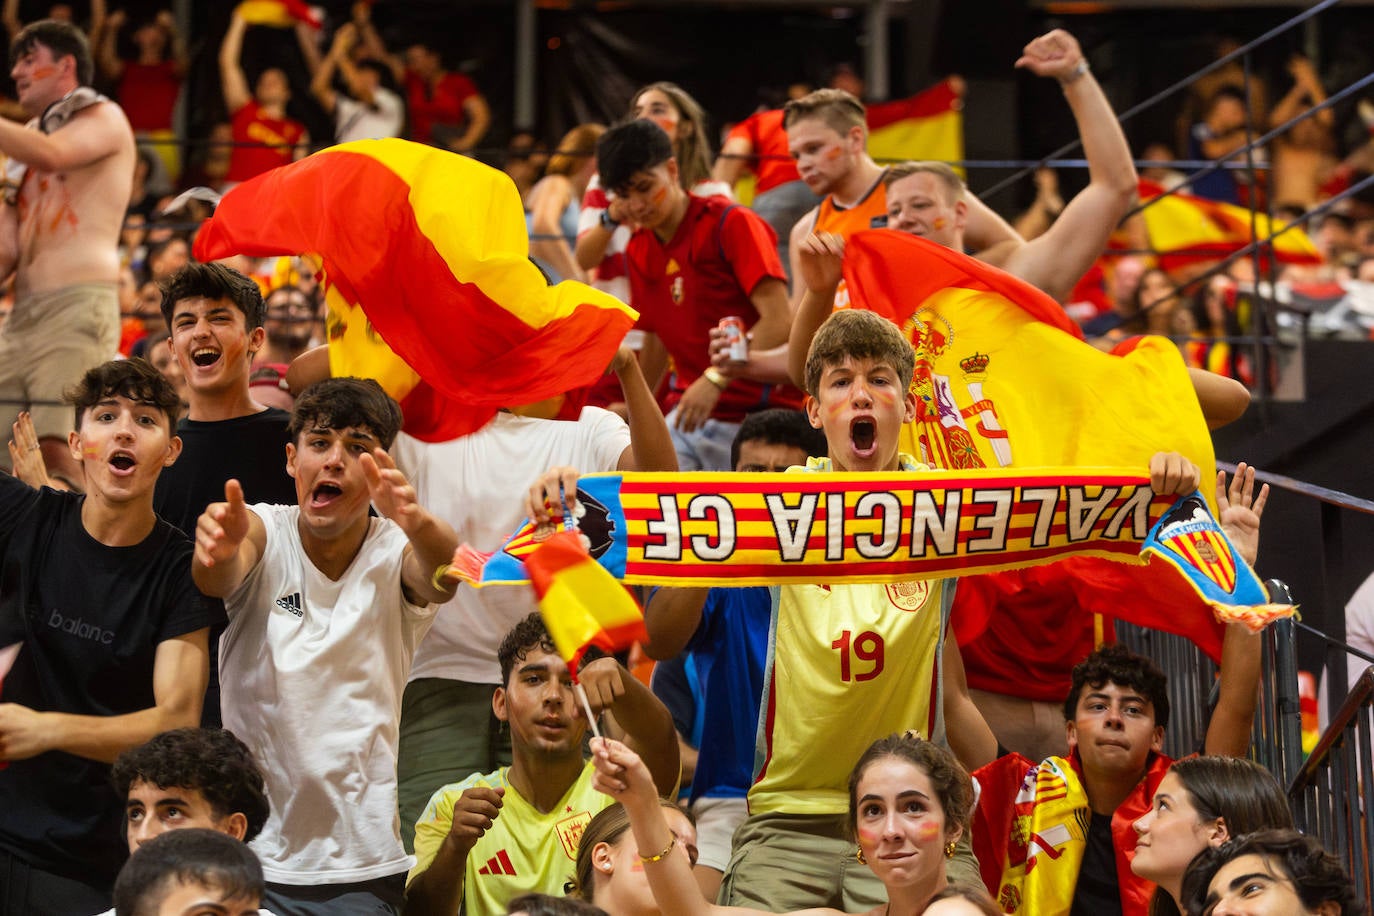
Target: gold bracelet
(662,855)
(439,572)
(712,375)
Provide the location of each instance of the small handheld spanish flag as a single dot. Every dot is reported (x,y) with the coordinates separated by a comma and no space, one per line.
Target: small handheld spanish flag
(583,605)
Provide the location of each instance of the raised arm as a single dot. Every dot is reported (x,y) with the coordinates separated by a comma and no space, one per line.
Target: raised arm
(432,541)
(372,41)
(359,88)
(622,775)
(234,84)
(180,672)
(646,721)
(230,539)
(1239,510)
(1056,260)
(817,258)
(651,444)
(106,55)
(181,58)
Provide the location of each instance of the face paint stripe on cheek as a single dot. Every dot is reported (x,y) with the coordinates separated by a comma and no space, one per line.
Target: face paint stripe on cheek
(833,153)
(927,831)
(659,195)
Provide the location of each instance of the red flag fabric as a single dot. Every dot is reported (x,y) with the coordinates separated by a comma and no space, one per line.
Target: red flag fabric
(425,256)
(1003,379)
(581,602)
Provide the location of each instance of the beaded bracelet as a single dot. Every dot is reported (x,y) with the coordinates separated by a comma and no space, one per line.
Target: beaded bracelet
(662,855)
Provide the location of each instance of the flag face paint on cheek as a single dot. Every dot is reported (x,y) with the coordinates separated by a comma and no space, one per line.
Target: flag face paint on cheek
(659,195)
(927,831)
(42,73)
(939,222)
(833,153)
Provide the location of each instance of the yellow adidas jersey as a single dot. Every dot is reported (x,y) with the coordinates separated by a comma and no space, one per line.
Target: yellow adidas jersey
(846,665)
(525,850)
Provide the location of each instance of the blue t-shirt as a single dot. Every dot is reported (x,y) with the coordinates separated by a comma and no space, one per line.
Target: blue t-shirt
(729,650)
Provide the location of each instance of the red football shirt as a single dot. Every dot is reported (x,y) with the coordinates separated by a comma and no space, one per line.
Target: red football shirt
(719,254)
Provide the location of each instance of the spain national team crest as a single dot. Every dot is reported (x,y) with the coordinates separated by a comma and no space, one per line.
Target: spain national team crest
(570,832)
(909,596)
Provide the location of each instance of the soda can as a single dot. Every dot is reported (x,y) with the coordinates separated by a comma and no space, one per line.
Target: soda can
(733,326)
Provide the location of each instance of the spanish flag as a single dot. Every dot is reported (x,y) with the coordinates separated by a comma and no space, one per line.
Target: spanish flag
(278,14)
(1183,230)
(581,602)
(928,125)
(1003,379)
(430,289)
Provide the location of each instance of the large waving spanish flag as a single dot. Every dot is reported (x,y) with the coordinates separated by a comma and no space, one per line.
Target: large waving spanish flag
(430,287)
(1003,379)
(1183,230)
(928,125)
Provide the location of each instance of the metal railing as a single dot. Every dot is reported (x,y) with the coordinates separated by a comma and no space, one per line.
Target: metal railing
(1330,793)
(1276,736)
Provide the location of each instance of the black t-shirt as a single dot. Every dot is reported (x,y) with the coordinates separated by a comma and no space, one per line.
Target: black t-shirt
(250,449)
(1098,892)
(90,619)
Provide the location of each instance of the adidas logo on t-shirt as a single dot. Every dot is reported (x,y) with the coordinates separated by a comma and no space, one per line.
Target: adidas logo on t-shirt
(498,864)
(292,603)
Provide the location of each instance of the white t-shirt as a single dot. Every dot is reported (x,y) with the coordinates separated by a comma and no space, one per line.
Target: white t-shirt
(477,484)
(311,675)
(355,121)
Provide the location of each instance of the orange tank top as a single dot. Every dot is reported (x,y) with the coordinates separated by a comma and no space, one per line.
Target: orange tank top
(868,213)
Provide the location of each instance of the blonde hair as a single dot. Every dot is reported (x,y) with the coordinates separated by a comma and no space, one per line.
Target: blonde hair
(577,146)
(839,110)
(947,176)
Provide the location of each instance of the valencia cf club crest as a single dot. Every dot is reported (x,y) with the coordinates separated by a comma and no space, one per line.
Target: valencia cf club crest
(676,290)
(593,523)
(1189,531)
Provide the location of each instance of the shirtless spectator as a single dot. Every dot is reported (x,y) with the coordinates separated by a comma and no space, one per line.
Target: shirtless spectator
(1305,154)
(264,137)
(68,181)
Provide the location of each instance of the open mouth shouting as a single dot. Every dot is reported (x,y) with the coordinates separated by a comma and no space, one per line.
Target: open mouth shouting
(324,494)
(122,463)
(863,436)
(204,357)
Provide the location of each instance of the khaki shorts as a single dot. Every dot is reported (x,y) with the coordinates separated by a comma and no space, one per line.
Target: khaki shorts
(786,862)
(47,344)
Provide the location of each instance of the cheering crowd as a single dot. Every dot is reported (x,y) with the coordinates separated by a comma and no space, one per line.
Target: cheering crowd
(237,668)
